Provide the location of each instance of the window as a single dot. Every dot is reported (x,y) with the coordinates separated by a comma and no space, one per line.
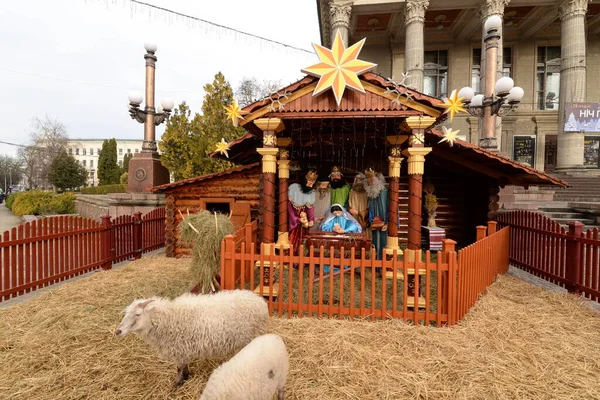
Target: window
(91,152)
(120,152)
(222,208)
(83,151)
(91,163)
(137,151)
(476,68)
(121,163)
(128,151)
(83,163)
(436,73)
(98,151)
(70,151)
(76,152)
(548,77)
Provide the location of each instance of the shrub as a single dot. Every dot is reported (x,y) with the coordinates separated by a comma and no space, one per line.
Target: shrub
(11,199)
(124,178)
(43,203)
(105,189)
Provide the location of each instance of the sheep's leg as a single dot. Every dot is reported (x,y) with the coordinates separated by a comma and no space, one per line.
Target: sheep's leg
(182,374)
(280,394)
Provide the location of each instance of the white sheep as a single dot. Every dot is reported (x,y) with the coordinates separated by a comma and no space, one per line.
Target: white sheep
(257,372)
(193,326)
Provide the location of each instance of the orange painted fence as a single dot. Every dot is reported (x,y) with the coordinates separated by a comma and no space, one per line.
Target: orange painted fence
(541,246)
(53,249)
(299,285)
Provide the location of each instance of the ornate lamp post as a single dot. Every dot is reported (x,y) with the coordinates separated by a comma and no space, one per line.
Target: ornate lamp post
(145,169)
(506,97)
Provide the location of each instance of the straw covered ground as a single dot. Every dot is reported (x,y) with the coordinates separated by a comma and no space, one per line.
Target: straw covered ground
(519,342)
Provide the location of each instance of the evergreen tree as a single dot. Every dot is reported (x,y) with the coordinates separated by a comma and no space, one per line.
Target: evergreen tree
(571,124)
(66,173)
(176,142)
(109,171)
(126,159)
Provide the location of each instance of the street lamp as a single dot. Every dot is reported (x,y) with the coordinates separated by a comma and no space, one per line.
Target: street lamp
(499,99)
(149,116)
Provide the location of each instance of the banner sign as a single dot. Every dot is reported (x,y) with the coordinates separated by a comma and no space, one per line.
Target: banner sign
(582,117)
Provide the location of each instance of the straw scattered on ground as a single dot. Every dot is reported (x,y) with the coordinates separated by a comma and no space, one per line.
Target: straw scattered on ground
(518,342)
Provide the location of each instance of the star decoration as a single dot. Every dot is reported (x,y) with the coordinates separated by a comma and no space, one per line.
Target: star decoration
(339,68)
(453,105)
(450,136)
(399,90)
(234,112)
(276,104)
(223,147)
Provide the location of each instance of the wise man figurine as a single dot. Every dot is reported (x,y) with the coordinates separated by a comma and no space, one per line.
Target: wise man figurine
(301,208)
(339,188)
(322,203)
(377,194)
(359,202)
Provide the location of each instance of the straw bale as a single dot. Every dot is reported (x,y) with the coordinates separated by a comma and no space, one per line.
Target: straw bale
(518,342)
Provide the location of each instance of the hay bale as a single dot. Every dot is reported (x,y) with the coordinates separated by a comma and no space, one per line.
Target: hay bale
(204,232)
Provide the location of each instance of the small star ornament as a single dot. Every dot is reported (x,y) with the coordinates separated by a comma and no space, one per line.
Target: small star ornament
(235,113)
(450,136)
(453,105)
(223,147)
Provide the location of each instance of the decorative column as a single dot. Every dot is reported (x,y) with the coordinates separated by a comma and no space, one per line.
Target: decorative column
(270,127)
(397,50)
(573,77)
(414,53)
(339,15)
(394,194)
(283,241)
(492,7)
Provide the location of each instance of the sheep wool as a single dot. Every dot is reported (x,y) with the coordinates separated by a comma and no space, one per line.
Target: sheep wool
(257,372)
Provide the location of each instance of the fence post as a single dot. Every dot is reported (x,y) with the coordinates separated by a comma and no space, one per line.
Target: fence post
(448,246)
(228,280)
(106,243)
(137,235)
(492,227)
(573,264)
(248,236)
(481,230)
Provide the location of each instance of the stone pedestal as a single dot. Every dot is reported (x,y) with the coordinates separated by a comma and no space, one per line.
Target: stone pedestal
(145,172)
(128,203)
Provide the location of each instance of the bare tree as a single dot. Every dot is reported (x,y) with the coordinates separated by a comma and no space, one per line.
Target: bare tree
(250,90)
(10,172)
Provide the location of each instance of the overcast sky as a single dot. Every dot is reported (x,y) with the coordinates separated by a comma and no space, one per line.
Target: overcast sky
(77,60)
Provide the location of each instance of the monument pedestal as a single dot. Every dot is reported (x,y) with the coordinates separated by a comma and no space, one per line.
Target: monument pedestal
(145,172)
(128,203)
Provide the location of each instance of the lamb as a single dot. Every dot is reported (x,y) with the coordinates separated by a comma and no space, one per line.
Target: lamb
(257,372)
(193,326)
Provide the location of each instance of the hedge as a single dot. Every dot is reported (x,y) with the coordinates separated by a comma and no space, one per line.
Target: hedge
(105,189)
(43,203)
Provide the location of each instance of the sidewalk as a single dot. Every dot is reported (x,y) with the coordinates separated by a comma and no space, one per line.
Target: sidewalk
(7,219)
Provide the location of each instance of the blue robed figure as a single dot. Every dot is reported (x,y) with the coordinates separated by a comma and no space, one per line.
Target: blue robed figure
(339,220)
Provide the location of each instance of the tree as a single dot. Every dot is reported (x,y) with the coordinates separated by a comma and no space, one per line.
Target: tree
(250,90)
(109,171)
(66,173)
(10,171)
(571,124)
(126,159)
(176,142)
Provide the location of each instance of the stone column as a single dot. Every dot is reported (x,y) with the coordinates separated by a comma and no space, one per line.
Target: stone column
(492,7)
(572,79)
(414,53)
(394,194)
(397,50)
(339,14)
(270,127)
(283,241)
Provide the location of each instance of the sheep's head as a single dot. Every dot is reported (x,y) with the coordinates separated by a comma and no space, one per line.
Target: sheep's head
(135,318)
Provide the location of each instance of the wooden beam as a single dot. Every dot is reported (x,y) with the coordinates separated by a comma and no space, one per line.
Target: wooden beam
(345,114)
(470,164)
(403,100)
(536,21)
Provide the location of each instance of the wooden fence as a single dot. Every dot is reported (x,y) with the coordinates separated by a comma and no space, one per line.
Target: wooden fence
(300,285)
(544,248)
(49,250)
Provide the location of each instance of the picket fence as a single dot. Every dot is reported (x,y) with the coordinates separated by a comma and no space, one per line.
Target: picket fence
(53,249)
(443,285)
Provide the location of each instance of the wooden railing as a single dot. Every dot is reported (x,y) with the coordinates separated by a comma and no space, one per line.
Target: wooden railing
(541,246)
(49,250)
(444,285)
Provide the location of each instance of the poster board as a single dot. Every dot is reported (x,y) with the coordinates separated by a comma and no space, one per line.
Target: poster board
(524,149)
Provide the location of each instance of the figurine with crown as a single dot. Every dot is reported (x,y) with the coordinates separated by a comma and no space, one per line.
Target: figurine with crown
(301,208)
(378,201)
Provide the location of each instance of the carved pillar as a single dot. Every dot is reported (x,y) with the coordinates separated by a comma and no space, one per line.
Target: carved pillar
(394,194)
(573,75)
(283,242)
(414,52)
(270,127)
(397,50)
(339,15)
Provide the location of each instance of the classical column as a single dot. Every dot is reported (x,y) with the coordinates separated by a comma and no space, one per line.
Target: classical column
(492,7)
(283,241)
(394,194)
(414,53)
(339,14)
(397,50)
(572,79)
(270,127)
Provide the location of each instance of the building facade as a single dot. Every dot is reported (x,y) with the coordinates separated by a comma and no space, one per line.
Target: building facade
(551,48)
(86,152)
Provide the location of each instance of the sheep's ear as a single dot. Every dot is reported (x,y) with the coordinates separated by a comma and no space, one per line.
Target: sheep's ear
(145,303)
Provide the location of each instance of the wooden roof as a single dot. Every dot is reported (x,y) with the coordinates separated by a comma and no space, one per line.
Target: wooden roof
(243,169)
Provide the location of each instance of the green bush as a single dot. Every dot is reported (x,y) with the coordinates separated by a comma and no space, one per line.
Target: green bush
(105,189)
(11,199)
(43,203)
(124,178)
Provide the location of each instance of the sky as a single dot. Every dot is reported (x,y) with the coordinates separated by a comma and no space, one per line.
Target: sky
(76,61)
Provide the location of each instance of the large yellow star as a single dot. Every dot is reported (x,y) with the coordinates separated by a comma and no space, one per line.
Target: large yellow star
(234,112)
(223,147)
(453,105)
(450,136)
(339,67)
